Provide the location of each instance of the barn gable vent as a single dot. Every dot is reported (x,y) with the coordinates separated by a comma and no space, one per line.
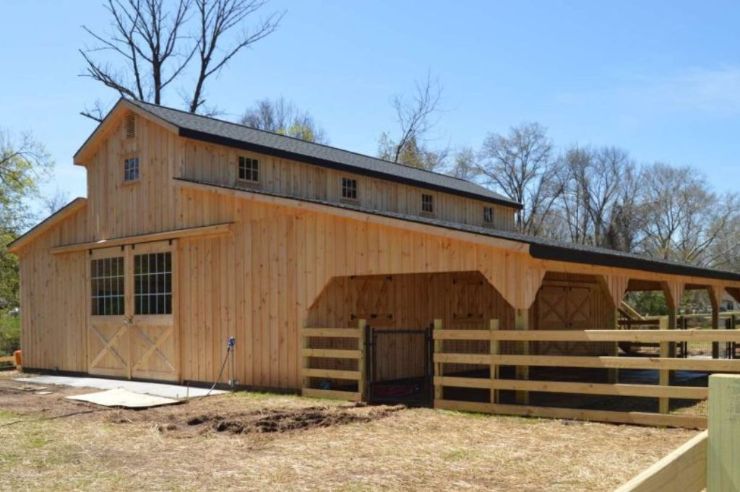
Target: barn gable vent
(130,125)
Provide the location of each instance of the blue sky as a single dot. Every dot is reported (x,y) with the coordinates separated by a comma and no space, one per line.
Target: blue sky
(660,79)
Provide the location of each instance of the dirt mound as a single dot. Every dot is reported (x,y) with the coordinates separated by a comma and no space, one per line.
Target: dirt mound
(278,420)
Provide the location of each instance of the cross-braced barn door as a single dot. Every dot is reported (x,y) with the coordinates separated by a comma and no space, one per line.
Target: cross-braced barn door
(131,328)
(563,307)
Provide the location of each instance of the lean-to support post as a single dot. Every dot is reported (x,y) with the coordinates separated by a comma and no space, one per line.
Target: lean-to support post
(521,322)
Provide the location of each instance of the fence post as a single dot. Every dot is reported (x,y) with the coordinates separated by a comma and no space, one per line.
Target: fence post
(362,361)
(521,322)
(664,374)
(437,365)
(723,453)
(493,327)
(305,362)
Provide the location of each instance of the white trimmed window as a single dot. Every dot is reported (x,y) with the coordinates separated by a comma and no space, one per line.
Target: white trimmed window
(249,169)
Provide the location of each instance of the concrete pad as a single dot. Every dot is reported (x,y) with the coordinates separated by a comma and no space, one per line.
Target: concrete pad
(119,397)
(157,389)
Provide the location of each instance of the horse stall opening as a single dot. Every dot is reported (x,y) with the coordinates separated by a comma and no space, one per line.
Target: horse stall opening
(399,370)
(399,311)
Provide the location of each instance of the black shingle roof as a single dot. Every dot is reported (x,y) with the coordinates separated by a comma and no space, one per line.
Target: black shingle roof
(234,135)
(541,248)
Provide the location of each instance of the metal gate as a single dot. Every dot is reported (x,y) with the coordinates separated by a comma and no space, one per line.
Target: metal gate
(399,365)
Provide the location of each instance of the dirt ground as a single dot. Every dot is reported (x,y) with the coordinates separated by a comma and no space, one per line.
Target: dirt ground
(257,441)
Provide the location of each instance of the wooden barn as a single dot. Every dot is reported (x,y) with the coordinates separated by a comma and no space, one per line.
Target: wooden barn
(346,276)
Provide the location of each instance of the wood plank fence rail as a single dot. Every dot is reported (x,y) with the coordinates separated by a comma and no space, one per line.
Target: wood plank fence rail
(311,374)
(683,469)
(664,364)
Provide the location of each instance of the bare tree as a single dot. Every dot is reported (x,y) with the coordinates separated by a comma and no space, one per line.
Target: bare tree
(684,219)
(593,181)
(465,165)
(520,165)
(55,202)
(154,41)
(281,116)
(415,118)
(216,19)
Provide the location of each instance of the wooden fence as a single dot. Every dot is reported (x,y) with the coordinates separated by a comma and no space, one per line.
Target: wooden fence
(332,378)
(709,461)
(683,469)
(664,364)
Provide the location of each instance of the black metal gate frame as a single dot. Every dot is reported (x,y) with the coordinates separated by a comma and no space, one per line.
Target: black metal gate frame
(371,335)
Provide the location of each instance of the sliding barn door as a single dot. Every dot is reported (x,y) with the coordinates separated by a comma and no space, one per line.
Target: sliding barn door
(132,329)
(108,335)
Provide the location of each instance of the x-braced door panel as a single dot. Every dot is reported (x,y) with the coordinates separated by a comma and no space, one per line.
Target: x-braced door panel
(131,322)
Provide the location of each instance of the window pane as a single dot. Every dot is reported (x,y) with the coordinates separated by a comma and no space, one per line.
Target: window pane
(107,287)
(153,284)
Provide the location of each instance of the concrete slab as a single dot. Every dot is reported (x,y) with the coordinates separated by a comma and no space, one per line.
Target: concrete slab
(157,389)
(120,397)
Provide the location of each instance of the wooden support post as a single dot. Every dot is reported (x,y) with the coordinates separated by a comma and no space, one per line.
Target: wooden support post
(438,365)
(664,374)
(521,322)
(306,342)
(723,453)
(362,361)
(493,327)
(613,374)
(715,326)
(715,300)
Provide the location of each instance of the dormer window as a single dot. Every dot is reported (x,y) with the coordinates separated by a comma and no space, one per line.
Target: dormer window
(249,169)
(131,169)
(427,203)
(349,189)
(487,215)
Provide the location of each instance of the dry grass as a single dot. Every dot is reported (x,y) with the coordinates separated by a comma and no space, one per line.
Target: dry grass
(409,449)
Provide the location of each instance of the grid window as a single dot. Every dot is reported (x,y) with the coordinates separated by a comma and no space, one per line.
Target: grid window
(427,203)
(131,169)
(349,188)
(153,283)
(249,169)
(488,215)
(106,279)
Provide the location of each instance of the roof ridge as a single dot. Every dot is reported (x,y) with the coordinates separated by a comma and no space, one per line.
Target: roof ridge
(319,144)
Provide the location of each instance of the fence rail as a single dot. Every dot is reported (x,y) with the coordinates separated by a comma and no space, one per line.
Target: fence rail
(356,376)
(663,391)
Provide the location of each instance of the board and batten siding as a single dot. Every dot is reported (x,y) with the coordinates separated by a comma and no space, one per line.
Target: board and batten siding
(54,295)
(218,165)
(262,283)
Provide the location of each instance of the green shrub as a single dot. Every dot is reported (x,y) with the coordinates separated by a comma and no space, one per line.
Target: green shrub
(10,332)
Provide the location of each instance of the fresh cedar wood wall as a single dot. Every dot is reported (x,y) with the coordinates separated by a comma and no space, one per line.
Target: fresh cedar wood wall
(263,281)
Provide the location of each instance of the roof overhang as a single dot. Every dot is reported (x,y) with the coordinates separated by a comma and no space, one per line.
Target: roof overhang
(84,154)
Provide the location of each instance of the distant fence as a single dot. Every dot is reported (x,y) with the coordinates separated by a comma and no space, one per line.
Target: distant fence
(493,360)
